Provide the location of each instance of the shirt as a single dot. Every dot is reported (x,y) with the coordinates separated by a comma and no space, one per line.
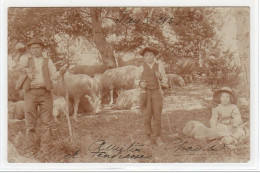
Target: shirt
(38,79)
(161,71)
(228,115)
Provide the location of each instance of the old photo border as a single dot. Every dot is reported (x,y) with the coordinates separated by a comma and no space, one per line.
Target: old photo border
(254,83)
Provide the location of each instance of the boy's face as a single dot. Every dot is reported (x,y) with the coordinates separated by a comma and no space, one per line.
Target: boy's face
(36,50)
(225,98)
(149,57)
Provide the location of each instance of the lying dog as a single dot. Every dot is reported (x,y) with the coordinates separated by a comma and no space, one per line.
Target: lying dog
(199,131)
(59,107)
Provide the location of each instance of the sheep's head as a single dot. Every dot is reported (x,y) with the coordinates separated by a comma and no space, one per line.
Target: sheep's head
(95,103)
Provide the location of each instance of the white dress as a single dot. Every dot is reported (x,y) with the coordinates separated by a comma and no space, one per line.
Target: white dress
(226,121)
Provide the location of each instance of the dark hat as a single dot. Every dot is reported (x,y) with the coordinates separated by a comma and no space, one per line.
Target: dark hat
(35,40)
(216,95)
(151,49)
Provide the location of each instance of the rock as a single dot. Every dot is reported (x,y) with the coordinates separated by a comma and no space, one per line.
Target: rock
(127,99)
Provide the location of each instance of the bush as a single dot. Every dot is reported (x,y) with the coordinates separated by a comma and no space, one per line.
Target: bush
(222,70)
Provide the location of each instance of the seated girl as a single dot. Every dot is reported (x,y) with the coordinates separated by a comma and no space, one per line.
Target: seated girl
(226,119)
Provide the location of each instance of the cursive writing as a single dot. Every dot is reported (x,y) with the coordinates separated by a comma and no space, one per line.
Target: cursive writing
(186,147)
(73,155)
(103,149)
(126,19)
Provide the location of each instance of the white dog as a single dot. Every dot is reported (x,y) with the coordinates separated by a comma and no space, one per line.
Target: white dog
(199,131)
(59,107)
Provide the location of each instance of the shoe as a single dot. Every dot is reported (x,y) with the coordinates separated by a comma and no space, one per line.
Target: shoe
(159,141)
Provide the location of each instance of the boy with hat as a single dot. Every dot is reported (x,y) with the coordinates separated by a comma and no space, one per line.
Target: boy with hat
(153,76)
(38,72)
(226,119)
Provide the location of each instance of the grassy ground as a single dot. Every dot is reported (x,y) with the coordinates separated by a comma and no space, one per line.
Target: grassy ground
(117,136)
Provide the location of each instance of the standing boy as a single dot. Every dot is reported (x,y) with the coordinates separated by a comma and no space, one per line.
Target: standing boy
(153,77)
(38,72)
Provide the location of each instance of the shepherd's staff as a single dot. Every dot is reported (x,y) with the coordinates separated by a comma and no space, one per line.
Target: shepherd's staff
(67,103)
(167,117)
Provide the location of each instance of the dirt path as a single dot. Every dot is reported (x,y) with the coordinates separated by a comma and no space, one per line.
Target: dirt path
(115,130)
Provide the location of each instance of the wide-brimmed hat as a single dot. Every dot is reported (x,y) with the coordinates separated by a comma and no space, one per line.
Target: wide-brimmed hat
(35,40)
(151,49)
(216,94)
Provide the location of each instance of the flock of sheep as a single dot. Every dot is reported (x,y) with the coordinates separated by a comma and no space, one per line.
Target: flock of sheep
(86,85)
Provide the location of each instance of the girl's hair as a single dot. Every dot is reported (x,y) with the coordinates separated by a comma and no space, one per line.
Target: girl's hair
(219,95)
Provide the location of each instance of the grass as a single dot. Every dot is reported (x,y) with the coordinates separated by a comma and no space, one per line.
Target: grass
(119,129)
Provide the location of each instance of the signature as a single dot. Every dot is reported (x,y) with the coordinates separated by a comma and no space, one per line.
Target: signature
(103,149)
(73,155)
(186,147)
(135,150)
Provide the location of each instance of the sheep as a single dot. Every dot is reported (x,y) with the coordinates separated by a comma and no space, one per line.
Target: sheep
(80,88)
(135,61)
(120,78)
(90,70)
(175,79)
(186,68)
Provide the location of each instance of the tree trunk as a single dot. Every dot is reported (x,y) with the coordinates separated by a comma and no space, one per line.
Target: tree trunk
(242,22)
(100,40)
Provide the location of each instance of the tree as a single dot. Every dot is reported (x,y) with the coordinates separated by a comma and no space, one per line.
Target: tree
(177,32)
(47,22)
(242,37)
(99,38)
(193,30)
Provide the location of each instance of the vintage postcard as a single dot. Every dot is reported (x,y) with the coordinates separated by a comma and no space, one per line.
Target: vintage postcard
(130,84)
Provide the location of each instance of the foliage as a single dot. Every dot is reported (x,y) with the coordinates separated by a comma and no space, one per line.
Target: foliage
(177,32)
(193,31)
(41,22)
(221,71)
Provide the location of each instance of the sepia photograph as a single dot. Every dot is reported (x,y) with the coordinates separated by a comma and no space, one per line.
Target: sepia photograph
(128,85)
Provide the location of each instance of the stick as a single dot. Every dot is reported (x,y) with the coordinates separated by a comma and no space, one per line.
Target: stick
(67,116)
(168,120)
(67,109)
(169,124)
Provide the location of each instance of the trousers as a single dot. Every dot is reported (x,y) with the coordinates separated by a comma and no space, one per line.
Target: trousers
(34,98)
(151,107)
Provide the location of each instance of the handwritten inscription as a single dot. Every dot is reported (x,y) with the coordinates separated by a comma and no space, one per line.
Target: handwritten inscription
(126,19)
(73,155)
(135,150)
(185,147)
(103,149)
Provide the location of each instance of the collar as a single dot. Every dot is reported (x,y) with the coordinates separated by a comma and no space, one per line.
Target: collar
(224,106)
(150,65)
(37,58)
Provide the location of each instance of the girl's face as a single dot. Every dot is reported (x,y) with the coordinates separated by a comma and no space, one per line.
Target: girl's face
(224,98)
